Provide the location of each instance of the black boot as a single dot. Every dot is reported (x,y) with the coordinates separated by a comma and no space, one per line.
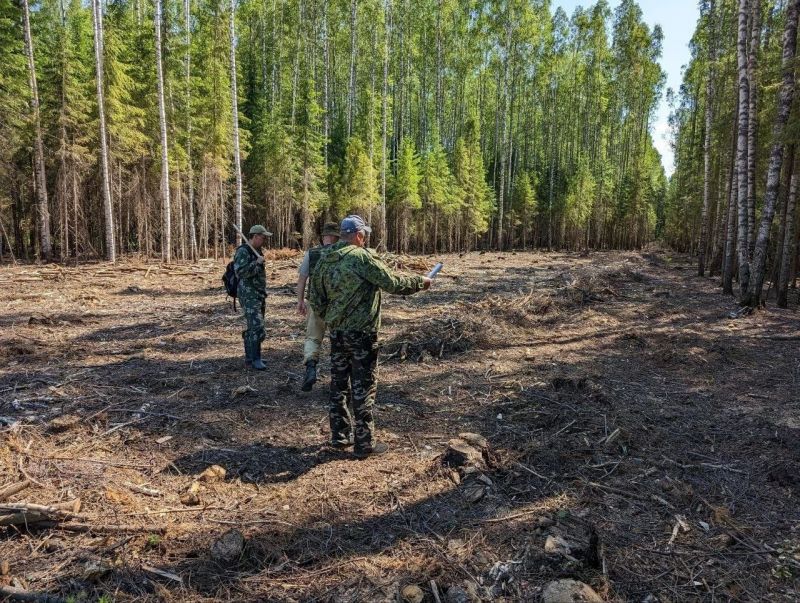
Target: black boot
(256,351)
(311,376)
(248,357)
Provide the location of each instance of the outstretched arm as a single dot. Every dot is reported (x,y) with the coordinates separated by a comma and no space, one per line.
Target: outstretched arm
(380,275)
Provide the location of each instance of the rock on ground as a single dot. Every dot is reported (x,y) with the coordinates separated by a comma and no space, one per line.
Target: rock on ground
(569,591)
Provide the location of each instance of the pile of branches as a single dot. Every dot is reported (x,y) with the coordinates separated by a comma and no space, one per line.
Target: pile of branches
(437,337)
(405,262)
(519,309)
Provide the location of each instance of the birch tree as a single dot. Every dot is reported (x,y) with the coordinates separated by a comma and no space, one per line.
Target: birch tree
(752,296)
(97,13)
(237,162)
(41,179)
(166,214)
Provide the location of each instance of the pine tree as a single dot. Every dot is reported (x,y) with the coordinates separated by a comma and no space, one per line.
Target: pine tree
(437,188)
(470,176)
(405,192)
(354,181)
(310,163)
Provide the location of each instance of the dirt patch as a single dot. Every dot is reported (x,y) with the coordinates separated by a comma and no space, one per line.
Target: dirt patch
(638,440)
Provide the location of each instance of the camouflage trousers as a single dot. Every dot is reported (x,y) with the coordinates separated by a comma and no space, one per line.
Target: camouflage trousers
(253,310)
(354,360)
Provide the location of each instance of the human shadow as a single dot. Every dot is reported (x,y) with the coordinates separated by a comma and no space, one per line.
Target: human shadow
(259,463)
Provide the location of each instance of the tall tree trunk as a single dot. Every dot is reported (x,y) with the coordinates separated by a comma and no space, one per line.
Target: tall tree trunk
(187,9)
(704,218)
(237,166)
(744,115)
(789,249)
(752,296)
(38,150)
(351,89)
(387,7)
(326,110)
(108,209)
(752,123)
(166,210)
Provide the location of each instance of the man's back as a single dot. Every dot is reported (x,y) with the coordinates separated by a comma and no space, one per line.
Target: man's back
(346,287)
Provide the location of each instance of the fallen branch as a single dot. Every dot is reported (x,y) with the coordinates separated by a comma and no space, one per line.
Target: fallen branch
(13,514)
(99,528)
(143,489)
(13,489)
(10,593)
(631,495)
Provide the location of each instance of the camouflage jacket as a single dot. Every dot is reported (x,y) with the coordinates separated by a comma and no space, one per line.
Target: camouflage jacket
(346,287)
(252,275)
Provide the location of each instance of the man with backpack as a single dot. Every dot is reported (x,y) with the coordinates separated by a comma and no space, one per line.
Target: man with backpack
(315,326)
(248,265)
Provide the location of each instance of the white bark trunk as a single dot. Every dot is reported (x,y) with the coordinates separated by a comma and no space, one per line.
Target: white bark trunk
(704,218)
(166,213)
(351,91)
(744,113)
(108,210)
(752,123)
(235,106)
(38,150)
(753,295)
(385,114)
(187,9)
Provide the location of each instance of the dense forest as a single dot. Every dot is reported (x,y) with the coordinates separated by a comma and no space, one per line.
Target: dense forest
(157,127)
(732,199)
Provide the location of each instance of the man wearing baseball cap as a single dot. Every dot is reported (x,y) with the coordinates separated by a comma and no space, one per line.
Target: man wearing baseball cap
(248,262)
(315,326)
(346,292)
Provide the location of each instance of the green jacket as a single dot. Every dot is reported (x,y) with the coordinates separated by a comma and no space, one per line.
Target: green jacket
(252,275)
(346,287)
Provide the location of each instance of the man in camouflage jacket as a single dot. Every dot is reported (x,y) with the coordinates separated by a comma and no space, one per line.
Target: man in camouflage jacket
(346,292)
(252,293)
(315,326)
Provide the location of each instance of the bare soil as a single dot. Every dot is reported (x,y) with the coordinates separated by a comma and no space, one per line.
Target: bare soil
(626,413)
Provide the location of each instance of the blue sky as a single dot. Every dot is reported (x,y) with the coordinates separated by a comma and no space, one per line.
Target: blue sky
(678,19)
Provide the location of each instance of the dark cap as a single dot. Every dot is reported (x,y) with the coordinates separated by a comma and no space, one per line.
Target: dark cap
(330,229)
(353,224)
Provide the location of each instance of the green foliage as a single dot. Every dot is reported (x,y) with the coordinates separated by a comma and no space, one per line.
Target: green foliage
(14,90)
(405,186)
(354,181)
(437,186)
(554,108)
(470,178)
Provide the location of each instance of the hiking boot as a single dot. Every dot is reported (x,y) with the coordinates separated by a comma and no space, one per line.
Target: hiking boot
(376,448)
(311,376)
(248,357)
(257,364)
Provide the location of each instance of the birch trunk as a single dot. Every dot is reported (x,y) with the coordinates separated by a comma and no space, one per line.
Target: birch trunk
(789,249)
(704,218)
(235,110)
(38,150)
(752,123)
(166,210)
(351,91)
(325,83)
(108,210)
(752,296)
(741,167)
(187,9)
(384,115)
